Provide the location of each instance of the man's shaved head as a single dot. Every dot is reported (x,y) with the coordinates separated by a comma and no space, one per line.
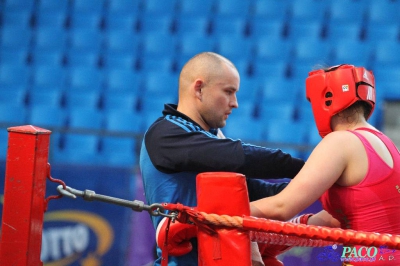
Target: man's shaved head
(208,84)
(206,66)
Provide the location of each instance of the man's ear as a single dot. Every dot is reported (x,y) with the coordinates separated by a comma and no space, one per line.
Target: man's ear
(198,86)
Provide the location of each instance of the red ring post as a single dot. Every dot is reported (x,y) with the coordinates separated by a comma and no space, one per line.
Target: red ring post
(24,195)
(223,193)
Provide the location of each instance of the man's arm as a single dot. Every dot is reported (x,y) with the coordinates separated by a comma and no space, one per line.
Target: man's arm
(175,149)
(259,189)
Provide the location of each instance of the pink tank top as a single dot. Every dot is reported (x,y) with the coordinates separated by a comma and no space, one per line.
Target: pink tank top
(373,205)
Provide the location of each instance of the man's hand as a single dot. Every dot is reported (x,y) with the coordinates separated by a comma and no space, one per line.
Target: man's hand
(179,234)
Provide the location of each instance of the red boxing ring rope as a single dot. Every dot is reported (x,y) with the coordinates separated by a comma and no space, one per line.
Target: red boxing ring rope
(315,236)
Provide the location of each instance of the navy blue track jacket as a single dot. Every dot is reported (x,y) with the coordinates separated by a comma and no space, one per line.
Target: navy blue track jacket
(175,149)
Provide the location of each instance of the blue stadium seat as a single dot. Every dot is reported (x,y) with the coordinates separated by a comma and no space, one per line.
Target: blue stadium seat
(246,109)
(50,38)
(278,90)
(18,5)
(17,18)
(347,11)
(304,111)
(9,38)
(235,8)
(89,99)
(151,102)
(78,149)
(190,45)
(50,76)
(192,25)
(249,90)
(13,95)
(353,52)
(386,53)
(43,57)
(157,83)
(307,29)
(86,39)
(234,47)
(272,110)
(389,90)
(196,7)
(381,31)
(13,56)
(114,59)
(308,10)
(51,5)
(243,66)
(163,63)
(273,49)
(123,80)
(271,10)
(51,18)
(122,40)
(117,22)
(338,31)
(55,144)
(85,118)
(123,121)
(3,144)
(228,25)
(13,114)
(85,78)
(85,19)
(313,137)
(122,7)
(47,116)
(156,23)
(260,27)
(95,6)
(262,67)
(150,117)
(299,70)
(118,151)
(122,100)
(124,145)
(244,128)
(15,74)
(315,51)
(150,44)
(44,97)
(159,7)
(386,73)
(121,49)
(284,131)
(82,58)
(383,12)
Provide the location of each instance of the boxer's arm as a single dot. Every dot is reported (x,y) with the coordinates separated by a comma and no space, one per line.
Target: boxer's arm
(323,218)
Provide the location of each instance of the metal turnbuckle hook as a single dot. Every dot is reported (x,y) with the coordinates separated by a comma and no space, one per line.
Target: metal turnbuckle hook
(136,205)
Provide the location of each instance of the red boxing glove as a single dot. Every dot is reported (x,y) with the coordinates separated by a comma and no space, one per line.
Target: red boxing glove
(179,234)
(269,252)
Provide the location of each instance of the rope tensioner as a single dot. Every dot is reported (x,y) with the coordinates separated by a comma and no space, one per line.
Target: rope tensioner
(155,209)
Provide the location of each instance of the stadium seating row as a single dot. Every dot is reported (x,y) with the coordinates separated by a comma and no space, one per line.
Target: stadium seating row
(86,65)
(295,9)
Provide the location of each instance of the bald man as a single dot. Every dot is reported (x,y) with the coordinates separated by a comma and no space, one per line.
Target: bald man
(186,140)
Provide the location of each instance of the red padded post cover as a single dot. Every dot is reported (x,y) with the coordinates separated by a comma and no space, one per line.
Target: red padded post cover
(223,193)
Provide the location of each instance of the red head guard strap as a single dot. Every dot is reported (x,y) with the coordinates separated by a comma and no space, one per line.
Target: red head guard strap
(333,90)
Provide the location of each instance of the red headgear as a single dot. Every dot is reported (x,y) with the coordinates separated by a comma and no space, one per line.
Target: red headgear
(333,90)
